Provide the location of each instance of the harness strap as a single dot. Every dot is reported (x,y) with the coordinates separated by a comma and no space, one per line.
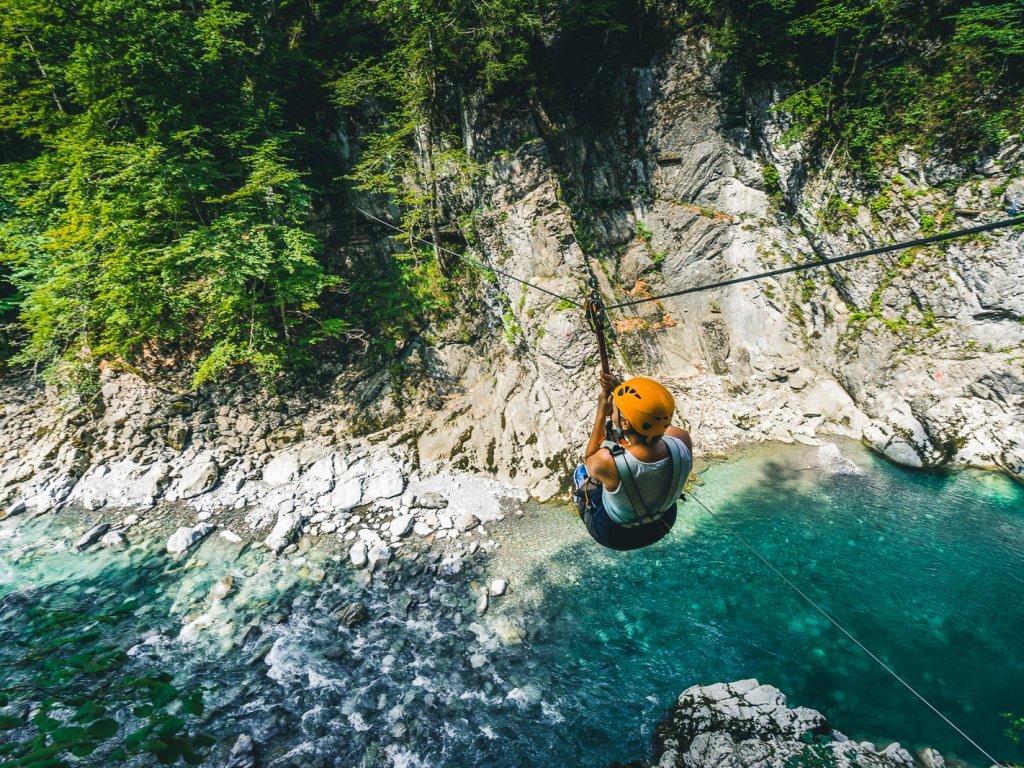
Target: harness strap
(625,479)
(677,471)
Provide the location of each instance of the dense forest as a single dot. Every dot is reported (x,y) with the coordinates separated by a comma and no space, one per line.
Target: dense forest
(169,168)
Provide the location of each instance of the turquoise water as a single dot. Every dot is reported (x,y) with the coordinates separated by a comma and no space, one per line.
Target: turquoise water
(577,665)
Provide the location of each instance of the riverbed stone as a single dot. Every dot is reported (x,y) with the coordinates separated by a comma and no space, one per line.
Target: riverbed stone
(112,539)
(198,478)
(357,554)
(184,539)
(286,525)
(17,508)
(91,536)
(282,469)
(352,615)
(430,500)
(401,526)
(466,521)
(498,587)
(481,603)
(221,588)
(378,554)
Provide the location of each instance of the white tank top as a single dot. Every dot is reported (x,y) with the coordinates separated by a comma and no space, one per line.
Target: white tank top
(651,479)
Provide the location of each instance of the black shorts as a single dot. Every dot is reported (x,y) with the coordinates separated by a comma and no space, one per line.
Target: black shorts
(608,533)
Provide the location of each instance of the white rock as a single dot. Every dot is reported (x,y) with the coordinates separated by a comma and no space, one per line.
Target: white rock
(385,485)
(466,521)
(112,539)
(347,493)
(230,536)
(222,588)
(281,534)
(481,603)
(378,553)
(197,478)
(401,526)
(282,469)
(498,587)
(358,554)
(184,538)
(422,529)
(16,508)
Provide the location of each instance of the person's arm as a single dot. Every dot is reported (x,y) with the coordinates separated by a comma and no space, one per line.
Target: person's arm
(604,411)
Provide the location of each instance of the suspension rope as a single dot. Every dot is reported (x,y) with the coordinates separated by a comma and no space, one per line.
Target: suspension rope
(825,262)
(843,629)
(469,259)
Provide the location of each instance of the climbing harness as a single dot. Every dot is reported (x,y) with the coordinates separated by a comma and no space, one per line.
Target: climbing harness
(596,312)
(632,492)
(844,630)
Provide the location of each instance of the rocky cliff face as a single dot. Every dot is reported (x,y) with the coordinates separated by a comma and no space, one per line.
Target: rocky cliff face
(745,724)
(661,188)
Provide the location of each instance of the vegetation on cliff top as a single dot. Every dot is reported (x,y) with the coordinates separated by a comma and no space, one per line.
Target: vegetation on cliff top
(167,166)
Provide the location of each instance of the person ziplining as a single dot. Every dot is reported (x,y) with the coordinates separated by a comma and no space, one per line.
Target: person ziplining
(636,465)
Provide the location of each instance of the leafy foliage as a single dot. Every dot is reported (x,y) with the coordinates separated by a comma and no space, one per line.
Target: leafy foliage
(872,76)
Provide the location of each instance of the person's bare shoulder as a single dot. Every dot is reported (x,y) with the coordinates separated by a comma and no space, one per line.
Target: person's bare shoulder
(682,434)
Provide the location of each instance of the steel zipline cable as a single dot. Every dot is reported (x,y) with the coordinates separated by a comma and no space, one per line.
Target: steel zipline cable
(595,313)
(469,259)
(838,259)
(921,241)
(845,631)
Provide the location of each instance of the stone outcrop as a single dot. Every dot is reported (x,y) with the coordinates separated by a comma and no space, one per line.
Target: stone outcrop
(748,725)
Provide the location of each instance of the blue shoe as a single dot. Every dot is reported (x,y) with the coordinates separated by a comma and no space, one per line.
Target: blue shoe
(580,476)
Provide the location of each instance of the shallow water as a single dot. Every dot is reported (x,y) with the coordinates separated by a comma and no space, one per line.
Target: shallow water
(579,663)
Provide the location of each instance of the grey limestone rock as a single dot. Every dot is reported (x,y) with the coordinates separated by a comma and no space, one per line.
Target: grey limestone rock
(91,536)
(748,725)
(198,477)
(243,753)
(184,539)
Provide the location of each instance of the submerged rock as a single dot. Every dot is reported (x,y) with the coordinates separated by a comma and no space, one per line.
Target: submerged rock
(748,724)
(91,536)
(184,539)
(352,615)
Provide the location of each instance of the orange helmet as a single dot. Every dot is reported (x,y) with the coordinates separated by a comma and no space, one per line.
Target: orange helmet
(646,404)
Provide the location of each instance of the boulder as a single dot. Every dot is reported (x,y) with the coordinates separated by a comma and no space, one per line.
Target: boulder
(112,539)
(466,522)
(91,536)
(358,554)
(17,508)
(385,485)
(184,539)
(430,500)
(197,478)
(747,724)
(281,469)
(221,589)
(287,523)
(401,525)
(377,554)
(498,587)
(243,754)
(352,615)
